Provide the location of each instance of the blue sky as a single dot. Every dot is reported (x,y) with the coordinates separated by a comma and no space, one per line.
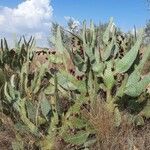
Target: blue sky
(10,3)
(126,13)
(18,16)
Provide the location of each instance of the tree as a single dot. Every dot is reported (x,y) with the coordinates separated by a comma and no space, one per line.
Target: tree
(147,33)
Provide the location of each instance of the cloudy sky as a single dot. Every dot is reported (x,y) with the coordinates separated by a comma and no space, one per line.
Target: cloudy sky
(34,17)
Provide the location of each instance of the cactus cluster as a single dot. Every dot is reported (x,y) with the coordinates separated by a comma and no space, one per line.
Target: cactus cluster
(111,69)
(50,100)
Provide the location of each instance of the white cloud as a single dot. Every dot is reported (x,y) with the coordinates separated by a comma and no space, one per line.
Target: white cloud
(29,18)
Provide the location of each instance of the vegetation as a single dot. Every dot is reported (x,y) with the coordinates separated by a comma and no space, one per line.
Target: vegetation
(88,94)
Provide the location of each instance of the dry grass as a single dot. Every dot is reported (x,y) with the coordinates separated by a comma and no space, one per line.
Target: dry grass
(109,137)
(7,133)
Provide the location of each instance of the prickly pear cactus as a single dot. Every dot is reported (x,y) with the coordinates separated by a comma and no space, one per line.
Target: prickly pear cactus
(114,67)
(51,99)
